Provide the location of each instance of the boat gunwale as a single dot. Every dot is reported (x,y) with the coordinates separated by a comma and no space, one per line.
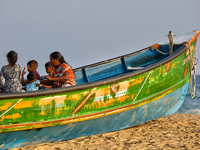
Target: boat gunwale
(112,59)
(98,83)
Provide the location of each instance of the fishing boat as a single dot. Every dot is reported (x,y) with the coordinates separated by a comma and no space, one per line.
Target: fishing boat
(110,95)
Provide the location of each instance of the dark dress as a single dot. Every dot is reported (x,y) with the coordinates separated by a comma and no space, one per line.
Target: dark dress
(12,76)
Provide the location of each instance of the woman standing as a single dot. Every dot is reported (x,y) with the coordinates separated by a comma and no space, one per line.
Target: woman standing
(12,75)
(63,75)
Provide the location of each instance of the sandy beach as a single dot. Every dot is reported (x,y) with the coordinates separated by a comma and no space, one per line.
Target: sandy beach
(178,131)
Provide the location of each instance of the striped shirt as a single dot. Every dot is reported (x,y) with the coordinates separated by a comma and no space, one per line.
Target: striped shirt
(37,75)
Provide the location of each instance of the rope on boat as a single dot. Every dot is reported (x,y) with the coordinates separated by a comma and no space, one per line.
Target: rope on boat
(193,62)
(161,52)
(10,108)
(171,44)
(143,85)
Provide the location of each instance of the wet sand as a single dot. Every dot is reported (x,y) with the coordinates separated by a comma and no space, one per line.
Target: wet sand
(178,131)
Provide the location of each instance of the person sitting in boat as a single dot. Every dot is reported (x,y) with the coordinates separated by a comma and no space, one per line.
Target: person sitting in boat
(31,67)
(63,75)
(11,73)
(32,84)
(49,68)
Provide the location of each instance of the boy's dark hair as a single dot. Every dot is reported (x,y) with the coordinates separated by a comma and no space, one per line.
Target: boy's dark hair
(12,55)
(48,64)
(33,62)
(31,76)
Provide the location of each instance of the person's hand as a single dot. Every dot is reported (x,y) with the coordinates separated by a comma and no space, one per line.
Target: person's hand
(48,87)
(23,71)
(48,77)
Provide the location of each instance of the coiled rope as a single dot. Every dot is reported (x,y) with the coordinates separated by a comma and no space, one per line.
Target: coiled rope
(193,62)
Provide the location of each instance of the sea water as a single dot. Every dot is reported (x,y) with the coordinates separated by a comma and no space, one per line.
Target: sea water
(191,105)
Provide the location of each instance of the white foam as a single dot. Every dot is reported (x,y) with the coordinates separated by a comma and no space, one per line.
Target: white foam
(193,112)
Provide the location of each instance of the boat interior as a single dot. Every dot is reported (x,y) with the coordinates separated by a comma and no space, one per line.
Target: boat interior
(124,64)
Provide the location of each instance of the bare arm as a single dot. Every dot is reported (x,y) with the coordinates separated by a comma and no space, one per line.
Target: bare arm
(46,86)
(46,82)
(62,79)
(23,72)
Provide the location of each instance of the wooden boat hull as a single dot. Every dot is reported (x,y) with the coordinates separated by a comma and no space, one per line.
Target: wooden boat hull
(121,120)
(101,103)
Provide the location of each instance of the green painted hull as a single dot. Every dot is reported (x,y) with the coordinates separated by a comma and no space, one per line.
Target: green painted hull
(104,98)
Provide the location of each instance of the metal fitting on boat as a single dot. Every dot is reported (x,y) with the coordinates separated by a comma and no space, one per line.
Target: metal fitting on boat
(171,42)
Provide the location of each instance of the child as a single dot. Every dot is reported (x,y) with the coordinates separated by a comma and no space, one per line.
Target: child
(10,75)
(32,84)
(31,67)
(49,68)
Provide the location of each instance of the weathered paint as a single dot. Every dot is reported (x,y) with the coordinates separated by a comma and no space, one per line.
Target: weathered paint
(144,97)
(107,123)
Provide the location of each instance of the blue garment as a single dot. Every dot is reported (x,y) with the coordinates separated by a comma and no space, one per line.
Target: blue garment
(32,86)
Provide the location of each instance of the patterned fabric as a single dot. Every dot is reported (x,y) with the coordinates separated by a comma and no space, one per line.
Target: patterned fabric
(58,72)
(32,86)
(37,75)
(12,76)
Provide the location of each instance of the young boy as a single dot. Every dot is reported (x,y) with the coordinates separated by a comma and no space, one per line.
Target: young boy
(49,68)
(32,83)
(31,67)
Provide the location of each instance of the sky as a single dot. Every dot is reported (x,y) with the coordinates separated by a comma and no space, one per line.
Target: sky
(88,31)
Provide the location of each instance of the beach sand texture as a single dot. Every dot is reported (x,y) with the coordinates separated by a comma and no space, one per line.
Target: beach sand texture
(177,131)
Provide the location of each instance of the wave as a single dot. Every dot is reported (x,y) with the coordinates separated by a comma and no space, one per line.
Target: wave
(192,112)
(191,105)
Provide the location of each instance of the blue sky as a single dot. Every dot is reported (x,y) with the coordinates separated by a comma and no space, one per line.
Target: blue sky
(88,31)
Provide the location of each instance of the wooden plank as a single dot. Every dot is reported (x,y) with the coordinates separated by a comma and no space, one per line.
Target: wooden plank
(124,64)
(85,76)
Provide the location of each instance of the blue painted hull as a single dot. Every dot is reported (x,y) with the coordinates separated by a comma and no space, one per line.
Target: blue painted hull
(161,107)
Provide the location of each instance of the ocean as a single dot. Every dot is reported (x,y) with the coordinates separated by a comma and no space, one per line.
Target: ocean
(191,105)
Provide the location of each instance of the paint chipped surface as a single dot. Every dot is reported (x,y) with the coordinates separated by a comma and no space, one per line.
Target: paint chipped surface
(6,106)
(114,98)
(13,116)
